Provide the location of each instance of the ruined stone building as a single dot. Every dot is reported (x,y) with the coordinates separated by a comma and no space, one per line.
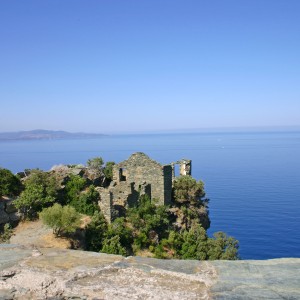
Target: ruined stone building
(139,175)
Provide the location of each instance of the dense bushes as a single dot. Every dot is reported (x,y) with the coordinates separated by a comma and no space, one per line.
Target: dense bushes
(150,228)
(84,199)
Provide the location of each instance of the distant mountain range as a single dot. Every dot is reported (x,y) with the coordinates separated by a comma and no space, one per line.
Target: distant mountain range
(40,134)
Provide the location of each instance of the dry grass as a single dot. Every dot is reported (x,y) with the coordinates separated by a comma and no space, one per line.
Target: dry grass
(51,241)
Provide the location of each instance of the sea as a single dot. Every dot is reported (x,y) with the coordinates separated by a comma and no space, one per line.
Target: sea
(251,178)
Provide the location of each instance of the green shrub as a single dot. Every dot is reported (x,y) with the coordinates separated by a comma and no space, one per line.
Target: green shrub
(95,232)
(40,191)
(150,222)
(6,233)
(86,202)
(62,219)
(108,170)
(113,246)
(223,247)
(73,188)
(188,191)
(10,185)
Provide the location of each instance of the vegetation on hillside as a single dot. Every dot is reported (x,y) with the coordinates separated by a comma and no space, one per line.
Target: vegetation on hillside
(176,231)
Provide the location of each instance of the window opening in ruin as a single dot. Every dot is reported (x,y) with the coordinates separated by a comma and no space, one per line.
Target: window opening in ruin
(176,170)
(121,174)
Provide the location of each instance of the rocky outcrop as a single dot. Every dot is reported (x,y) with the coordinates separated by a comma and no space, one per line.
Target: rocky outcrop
(27,273)
(63,173)
(8,212)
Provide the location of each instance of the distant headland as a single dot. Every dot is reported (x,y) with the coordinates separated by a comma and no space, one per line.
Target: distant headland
(41,134)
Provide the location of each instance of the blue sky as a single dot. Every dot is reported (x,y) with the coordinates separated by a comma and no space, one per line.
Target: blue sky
(140,65)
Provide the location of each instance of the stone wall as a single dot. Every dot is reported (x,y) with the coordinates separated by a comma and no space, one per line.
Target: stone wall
(146,176)
(138,175)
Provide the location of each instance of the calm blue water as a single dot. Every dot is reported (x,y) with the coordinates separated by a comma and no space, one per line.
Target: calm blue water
(252,179)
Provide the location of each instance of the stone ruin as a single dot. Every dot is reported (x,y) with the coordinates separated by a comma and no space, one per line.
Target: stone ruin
(139,175)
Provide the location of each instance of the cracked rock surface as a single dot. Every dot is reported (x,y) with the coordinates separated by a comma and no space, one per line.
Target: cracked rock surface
(49,273)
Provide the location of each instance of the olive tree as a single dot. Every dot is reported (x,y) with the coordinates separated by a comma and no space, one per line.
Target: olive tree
(62,219)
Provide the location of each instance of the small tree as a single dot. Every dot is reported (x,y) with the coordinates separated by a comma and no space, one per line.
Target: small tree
(189,196)
(32,200)
(108,170)
(120,228)
(62,219)
(150,222)
(95,232)
(223,247)
(40,191)
(188,191)
(96,164)
(87,201)
(169,247)
(73,188)
(195,244)
(10,185)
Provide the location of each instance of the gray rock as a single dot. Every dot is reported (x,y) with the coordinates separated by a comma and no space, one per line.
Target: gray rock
(265,279)
(7,294)
(70,274)
(10,207)
(8,212)
(4,217)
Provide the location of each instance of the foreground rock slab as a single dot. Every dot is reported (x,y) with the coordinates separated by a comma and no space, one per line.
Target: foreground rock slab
(44,273)
(257,279)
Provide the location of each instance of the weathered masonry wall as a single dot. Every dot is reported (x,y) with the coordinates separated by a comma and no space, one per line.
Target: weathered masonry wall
(136,176)
(185,167)
(146,175)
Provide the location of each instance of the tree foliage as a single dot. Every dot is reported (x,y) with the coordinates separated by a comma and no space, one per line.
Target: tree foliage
(62,219)
(40,191)
(10,184)
(113,246)
(149,221)
(149,227)
(189,196)
(73,188)
(95,232)
(87,201)
(169,247)
(120,227)
(96,164)
(188,191)
(195,244)
(108,170)
(223,247)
